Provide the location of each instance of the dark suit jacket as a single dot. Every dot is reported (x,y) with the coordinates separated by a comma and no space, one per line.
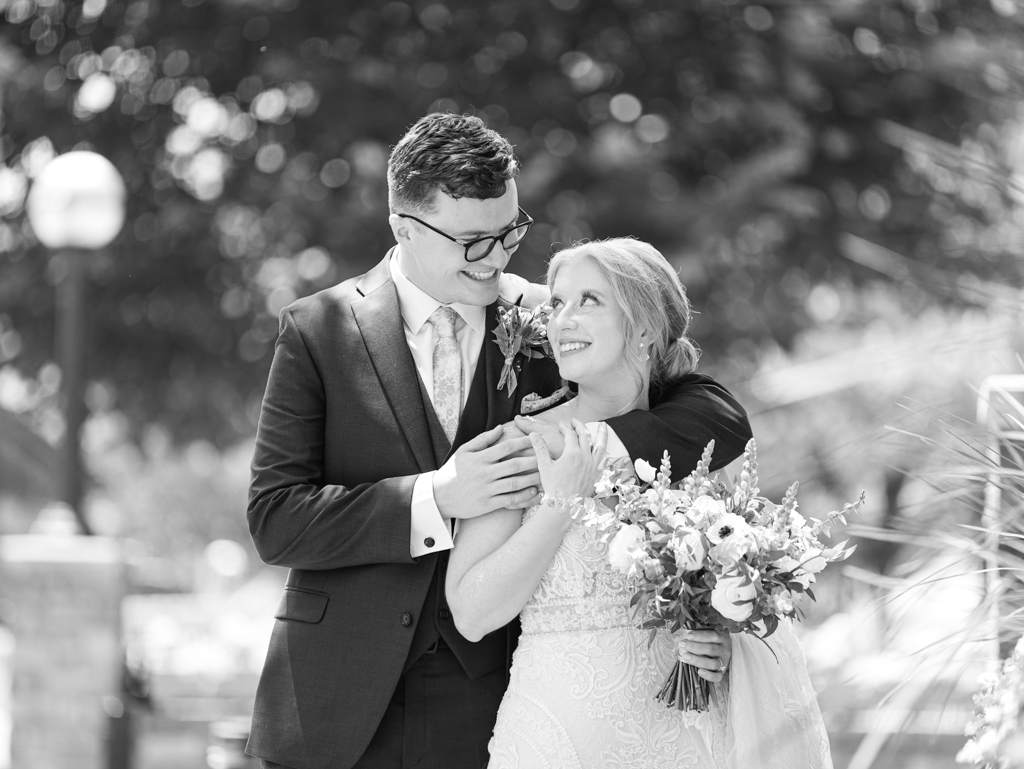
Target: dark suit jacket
(342,436)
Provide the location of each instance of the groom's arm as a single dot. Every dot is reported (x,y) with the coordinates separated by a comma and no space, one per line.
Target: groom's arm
(296,518)
(689,414)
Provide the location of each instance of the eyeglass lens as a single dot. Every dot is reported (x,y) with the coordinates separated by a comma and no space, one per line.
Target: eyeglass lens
(511,239)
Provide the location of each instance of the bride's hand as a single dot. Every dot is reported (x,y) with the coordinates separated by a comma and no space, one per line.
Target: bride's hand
(707,650)
(579,466)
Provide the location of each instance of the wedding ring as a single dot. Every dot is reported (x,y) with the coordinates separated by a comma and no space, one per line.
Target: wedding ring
(721,666)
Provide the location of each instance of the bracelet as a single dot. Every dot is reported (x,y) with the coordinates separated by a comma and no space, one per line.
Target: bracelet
(558,502)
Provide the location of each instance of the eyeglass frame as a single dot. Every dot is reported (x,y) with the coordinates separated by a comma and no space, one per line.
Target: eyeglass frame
(494,238)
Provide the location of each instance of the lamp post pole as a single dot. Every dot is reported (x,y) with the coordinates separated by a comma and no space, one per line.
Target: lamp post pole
(75,206)
(72,322)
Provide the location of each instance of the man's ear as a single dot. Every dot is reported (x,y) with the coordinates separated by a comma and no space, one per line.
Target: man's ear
(401,229)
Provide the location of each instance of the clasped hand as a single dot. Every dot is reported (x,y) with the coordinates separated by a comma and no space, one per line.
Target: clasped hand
(499,469)
(707,650)
(578,467)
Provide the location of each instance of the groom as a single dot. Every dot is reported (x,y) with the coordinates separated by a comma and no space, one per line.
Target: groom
(381,427)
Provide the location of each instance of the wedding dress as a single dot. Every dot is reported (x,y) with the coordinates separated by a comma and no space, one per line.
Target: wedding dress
(583,680)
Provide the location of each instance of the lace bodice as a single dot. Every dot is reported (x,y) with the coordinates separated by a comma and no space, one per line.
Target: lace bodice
(580,591)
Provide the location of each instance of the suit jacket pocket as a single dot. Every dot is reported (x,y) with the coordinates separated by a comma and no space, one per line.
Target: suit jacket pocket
(302,605)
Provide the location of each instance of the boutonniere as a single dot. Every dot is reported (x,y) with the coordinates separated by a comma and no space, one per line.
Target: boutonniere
(521,331)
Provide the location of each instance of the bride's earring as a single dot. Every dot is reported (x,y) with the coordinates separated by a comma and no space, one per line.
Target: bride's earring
(643,353)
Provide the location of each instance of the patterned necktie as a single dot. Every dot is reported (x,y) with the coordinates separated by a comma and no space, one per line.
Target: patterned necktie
(447,370)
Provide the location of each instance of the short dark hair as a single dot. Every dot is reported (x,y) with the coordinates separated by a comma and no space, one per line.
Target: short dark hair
(456,154)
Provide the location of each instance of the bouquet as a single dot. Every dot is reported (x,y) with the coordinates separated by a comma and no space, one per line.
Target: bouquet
(706,555)
(997,731)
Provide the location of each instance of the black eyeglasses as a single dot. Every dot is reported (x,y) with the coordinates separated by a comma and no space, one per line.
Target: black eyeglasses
(481,247)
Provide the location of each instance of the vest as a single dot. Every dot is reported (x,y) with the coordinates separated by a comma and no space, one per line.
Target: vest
(491,651)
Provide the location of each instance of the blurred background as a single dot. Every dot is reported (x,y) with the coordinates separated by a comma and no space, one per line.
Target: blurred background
(839,182)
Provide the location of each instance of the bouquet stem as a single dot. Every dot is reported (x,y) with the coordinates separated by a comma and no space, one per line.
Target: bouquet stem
(684,689)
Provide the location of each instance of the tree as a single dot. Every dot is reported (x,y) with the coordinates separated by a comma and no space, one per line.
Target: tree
(782,155)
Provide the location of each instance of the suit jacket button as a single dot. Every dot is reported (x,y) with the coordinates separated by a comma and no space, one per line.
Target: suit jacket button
(445,614)
(406,619)
(429,542)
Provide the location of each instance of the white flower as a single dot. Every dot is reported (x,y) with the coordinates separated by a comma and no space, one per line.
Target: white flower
(733,597)
(796,522)
(782,602)
(730,550)
(678,520)
(624,547)
(705,509)
(644,471)
(729,525)
(689,548)
(605,487)
(653,569)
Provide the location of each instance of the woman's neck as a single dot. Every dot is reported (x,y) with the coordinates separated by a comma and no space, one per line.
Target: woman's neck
(594,405)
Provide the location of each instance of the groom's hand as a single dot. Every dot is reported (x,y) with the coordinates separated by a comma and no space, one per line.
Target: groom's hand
(486,474)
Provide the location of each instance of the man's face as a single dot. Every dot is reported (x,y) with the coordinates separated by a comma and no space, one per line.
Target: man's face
(438,265)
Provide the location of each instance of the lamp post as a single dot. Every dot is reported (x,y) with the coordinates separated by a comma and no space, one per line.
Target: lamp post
(75,207)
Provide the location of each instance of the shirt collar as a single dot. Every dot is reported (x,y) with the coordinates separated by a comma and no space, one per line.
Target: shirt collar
(417,305)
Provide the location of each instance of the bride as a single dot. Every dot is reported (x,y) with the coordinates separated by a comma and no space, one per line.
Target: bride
(583,678)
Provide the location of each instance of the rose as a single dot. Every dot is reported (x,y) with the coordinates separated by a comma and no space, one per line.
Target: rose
(644,471)
(624,547)
(689,548)
(733,597)
(730,550)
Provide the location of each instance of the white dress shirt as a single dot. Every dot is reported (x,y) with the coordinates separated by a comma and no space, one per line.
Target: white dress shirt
(428,525)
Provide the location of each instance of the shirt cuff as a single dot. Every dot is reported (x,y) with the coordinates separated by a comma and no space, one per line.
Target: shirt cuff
(615,448)
(428,532)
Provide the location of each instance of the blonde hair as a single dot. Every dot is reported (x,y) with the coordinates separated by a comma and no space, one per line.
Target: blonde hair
(651,296)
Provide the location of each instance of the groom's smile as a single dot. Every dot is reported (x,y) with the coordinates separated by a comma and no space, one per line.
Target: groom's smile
(481,276)
(432,246)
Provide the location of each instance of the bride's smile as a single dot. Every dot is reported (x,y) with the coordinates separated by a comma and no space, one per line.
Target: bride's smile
(586,327)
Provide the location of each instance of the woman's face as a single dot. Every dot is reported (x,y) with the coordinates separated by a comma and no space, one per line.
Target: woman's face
(586,328)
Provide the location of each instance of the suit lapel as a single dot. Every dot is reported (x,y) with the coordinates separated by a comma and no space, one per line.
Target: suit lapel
(380,323)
